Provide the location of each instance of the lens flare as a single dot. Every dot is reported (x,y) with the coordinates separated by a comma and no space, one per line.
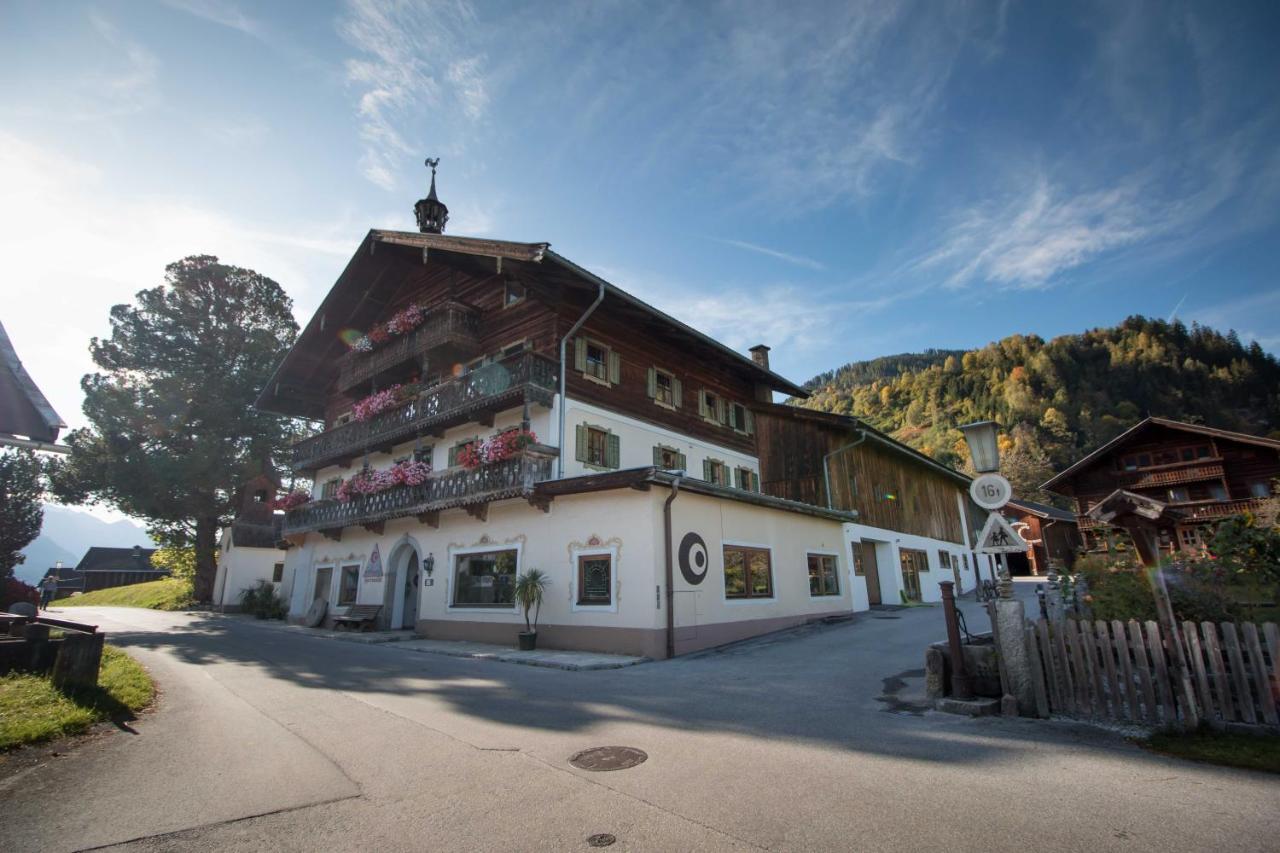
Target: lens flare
(350,336)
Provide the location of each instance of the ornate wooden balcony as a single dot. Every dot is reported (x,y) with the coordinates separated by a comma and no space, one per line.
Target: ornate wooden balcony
(492,388)
(448,326)
(472,488)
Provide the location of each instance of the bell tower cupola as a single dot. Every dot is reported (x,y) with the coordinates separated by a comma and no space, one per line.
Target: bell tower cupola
(431,211)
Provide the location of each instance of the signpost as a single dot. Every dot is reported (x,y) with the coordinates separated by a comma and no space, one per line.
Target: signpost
(990,491)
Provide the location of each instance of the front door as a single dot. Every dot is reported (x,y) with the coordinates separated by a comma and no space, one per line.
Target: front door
(324,580)
(411,586)
(864,560)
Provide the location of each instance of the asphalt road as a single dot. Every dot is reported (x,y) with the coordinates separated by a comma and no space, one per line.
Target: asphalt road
(265,740)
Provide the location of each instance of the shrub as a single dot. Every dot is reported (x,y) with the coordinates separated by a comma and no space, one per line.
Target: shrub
(15,590)
(262,601)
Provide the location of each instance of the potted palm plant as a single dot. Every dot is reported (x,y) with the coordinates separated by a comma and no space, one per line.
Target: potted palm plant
(529,589)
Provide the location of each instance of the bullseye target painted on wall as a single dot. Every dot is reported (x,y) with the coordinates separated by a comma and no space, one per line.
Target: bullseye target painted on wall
(693,558)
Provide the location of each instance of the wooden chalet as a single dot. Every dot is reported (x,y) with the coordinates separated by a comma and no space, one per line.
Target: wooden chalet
(1052,536)
(484,406)
(1183,477)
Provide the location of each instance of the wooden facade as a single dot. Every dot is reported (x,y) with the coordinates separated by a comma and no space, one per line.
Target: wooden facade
(1204,474)
(889,485)
(1052,534)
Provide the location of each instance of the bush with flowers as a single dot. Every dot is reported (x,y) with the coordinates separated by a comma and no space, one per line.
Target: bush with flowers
(293,500)
(371,482)
(404,321)
(496,448)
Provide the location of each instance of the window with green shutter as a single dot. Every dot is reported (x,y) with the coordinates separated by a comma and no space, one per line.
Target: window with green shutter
(597,447)
(597,361)
(668,458)
(663,388)
(746,479)
(711,407)
(715,471)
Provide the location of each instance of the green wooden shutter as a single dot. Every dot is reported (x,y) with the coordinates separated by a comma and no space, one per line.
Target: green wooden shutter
(736,479)
(453,456)
(580,354)
(657,455)
(684,463)
(706,470)
(580,451)
(721,415)
(749,422)
(651,383)
(613,451)
(703,410)
(677,392)
(615,368)
(755,482)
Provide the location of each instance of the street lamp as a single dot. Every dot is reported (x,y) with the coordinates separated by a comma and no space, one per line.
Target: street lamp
(984,449)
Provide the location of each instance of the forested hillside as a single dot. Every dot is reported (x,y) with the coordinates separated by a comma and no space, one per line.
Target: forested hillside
(1059,399)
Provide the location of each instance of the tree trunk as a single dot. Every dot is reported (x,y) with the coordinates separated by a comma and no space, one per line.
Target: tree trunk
(206,558)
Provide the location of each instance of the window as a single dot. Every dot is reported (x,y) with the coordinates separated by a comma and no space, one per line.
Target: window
(513,349)
(348,585)
(1217,491)
(859,567)
(914,562)
(423,454)
(823,578)
(1259,489)
(485,579)
(711,407)
(595,579)
(598,447)
(740,418)
(747,479)
(668,458)
(330,488)
(944,560)
(596,361)
(965,558)
(1189,537)
(748,572)
(277,573)
(664,389)
(715,471)
(513,292)
(457,448)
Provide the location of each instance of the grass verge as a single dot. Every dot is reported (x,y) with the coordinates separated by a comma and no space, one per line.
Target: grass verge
(165,594)
(1252,752)
(33,710)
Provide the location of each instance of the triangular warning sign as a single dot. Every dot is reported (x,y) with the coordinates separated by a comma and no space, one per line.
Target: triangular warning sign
(999,537)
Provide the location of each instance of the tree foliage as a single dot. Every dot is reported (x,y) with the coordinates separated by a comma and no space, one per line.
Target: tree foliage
(21,513)
(1059,399)
(173,429)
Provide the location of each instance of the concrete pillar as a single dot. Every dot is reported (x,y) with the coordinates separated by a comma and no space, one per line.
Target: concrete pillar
(1011,624)
(79,659)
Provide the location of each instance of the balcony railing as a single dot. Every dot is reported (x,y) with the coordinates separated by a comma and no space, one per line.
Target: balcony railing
(1193,511)
(490,388)
(510,478)
(449,323)
(1155,479)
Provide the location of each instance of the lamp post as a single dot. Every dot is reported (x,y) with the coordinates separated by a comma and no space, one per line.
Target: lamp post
(984,448)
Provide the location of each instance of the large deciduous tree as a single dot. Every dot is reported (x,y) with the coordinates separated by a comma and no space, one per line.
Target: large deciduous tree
(20,508)
(173,429)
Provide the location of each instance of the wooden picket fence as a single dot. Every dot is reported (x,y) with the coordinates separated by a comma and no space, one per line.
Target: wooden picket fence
(1129,672)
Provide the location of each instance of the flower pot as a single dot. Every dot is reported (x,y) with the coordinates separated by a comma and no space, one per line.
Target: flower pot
(528,640)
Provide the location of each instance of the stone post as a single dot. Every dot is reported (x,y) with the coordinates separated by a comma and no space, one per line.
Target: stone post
(1011,626)
(78,661)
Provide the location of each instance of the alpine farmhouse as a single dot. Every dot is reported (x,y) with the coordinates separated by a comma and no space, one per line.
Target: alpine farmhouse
(489,407)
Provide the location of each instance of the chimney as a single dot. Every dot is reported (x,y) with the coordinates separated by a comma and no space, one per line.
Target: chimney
(760,355)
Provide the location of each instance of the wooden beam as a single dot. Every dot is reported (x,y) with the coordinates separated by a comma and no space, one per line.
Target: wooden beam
(376,527)
(430,519)
(480,512)
(485,419)
(640,487)
(542,502)
(334,533)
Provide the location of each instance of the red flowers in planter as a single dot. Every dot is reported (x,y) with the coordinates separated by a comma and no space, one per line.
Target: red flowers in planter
(403,322)
(293,500)
(496,448)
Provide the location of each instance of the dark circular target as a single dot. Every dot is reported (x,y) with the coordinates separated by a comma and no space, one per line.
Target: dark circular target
(693,558)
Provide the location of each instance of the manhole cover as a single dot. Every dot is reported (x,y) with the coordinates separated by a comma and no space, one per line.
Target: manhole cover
(607,758)
(600,839)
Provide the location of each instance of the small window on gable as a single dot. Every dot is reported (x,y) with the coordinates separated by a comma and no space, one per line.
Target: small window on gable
(597,447)
(513,293)
(664,389)
(596,361)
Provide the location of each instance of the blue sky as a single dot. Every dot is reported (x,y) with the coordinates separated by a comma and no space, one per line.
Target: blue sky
(839,181)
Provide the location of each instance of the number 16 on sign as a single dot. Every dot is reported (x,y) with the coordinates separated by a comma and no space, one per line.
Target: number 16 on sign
(990,491)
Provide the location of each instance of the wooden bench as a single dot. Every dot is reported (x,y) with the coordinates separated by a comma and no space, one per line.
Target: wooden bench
(360,616)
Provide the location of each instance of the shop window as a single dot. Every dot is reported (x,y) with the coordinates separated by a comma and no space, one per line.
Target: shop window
(824,579)
(595,579)
(748,572)
(485,578)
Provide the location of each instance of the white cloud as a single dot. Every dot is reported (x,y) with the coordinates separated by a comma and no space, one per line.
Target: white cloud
(217,12)
(797,260)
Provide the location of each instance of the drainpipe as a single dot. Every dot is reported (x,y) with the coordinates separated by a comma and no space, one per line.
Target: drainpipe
(670,574)
(826,468)
(563,396)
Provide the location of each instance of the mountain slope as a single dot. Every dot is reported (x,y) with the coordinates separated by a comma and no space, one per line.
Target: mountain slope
(1058,399)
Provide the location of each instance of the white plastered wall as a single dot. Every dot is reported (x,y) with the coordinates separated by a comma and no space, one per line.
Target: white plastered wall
(241,568)
(888,544)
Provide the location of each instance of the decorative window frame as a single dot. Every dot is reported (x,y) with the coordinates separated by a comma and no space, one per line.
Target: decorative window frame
(453,553)
(711,461)
(748,601)
(822,552)
(575,554)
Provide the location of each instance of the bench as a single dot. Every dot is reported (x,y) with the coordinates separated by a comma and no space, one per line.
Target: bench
(360,616)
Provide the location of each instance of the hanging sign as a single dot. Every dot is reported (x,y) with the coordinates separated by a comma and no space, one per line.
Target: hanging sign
(999,537)
(990,491)
(373,571)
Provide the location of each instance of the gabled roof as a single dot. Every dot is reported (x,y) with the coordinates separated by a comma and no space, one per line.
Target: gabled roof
(1134,431)
(852,424)
(102,559)
(318,346)
(23,409)
(1043,510)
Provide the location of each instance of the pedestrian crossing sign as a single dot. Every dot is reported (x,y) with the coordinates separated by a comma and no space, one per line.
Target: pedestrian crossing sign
(999,537)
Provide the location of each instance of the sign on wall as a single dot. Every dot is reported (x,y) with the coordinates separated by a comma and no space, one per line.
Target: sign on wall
(373,571)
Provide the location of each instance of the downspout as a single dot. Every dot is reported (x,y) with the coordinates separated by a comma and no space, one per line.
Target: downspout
(563,396)
(826,467)
(670,574)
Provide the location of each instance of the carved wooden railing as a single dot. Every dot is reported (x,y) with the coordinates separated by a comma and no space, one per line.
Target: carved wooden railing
(1155,479)
(1219,509)
(510,478)
(487,389)
(447,323)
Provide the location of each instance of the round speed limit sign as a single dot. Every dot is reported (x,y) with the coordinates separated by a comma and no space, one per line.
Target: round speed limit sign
(990,491)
